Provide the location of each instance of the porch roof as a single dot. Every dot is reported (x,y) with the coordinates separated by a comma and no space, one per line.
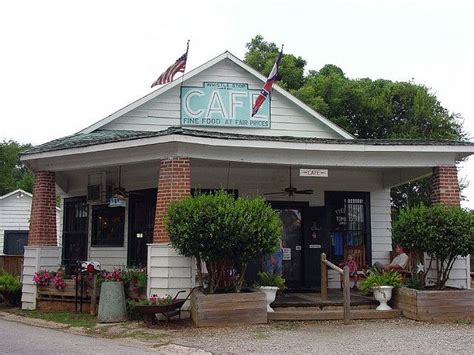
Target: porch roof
(100,136)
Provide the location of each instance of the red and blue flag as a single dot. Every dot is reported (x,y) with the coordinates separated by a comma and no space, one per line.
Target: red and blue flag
(267,88)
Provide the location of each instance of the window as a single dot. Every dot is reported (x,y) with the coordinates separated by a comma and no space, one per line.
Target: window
(108,226)
(348,222)
(15,242)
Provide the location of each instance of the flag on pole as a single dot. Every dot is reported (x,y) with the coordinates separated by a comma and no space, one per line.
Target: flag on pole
(267,87)
(178,67)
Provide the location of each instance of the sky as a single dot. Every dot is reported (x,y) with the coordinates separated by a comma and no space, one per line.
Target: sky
(67,64)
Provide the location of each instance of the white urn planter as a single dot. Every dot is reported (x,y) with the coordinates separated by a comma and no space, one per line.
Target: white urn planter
(270,293)
(383,294)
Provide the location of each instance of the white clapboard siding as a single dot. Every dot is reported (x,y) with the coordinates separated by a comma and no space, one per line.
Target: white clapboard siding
(35,259)
(109,258)
(168,271)
(163,111)
(460,274)
(15,214)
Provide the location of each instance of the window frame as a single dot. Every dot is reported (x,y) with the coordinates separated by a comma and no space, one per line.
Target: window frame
(115,243)
(329,201)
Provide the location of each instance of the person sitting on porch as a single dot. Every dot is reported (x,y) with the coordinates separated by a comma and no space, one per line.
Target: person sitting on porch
(351,263)
(398,263)
(272,263)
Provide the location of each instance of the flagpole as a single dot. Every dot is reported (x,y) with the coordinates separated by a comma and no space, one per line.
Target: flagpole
(182,76)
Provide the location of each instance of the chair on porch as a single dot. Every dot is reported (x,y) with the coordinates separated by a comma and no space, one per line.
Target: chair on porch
(358,252)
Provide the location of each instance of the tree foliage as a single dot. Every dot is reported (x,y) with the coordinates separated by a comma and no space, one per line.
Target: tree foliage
(444,233)
(225,233)
(366,108)
(13,174)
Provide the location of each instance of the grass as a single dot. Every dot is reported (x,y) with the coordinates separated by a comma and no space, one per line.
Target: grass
(74,320)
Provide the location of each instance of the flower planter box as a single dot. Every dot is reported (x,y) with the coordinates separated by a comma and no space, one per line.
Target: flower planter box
(434,305)
(209,310)
(52,292)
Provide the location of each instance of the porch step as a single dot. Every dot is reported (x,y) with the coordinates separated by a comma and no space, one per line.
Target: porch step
(313,313)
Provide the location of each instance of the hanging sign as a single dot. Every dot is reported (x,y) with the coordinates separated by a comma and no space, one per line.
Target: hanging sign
(286,253)
(220,104)
(314,172)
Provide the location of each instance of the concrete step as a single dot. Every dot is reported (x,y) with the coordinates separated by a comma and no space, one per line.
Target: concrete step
(313,313)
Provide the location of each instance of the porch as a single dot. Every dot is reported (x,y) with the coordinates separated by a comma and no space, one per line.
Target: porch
(347,206)
(290,306)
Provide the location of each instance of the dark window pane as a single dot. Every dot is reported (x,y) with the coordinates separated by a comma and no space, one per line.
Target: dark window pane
(348,226)
(108,226)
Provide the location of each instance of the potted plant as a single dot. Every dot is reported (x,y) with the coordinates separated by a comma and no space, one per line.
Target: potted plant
(135,281)
(224,234)
(437,237)
(112,306)
(269,284)
(381,284)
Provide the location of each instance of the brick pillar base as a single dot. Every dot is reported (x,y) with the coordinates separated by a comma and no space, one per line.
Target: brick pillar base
(445,186)
(174,183)
(43,210)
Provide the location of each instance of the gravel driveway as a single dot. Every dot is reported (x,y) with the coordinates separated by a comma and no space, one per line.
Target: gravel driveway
(391,336)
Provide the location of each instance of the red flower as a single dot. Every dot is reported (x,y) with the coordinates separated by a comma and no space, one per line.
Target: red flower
(90,268)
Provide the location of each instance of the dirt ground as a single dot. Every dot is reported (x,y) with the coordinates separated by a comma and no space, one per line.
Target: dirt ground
(378,336)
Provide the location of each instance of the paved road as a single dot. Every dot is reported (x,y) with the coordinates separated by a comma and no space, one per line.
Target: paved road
(17,338)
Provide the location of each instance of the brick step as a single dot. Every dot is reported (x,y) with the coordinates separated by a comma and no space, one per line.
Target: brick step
(314,314)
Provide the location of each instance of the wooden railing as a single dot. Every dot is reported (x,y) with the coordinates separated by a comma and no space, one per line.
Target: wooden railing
(13,264)
(346,288)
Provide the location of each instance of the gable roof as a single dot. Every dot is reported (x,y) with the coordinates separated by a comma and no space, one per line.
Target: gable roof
(207,65)
(14,192)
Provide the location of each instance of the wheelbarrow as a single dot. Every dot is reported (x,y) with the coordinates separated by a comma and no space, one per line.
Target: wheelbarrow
(168,310)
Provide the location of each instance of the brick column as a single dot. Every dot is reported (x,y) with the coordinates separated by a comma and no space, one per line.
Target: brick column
(174,183)
(43,210)
(445,186)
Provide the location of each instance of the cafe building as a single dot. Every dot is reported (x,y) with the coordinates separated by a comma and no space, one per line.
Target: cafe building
(117,177)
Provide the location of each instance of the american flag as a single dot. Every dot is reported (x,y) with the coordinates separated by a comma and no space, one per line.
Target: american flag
(267,87)
(178,67)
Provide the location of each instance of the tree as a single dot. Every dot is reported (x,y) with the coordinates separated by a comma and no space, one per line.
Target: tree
(366,108)
(442,232)
(13,174)
(224,233)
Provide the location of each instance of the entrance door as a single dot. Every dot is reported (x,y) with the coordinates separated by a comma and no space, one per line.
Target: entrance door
(141,220)
(75,231)
(316,241)
(304,238)
(291,215)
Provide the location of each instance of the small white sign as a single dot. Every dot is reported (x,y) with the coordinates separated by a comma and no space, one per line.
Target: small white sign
(315,246)
(314,172)
(286,253)
(298,247)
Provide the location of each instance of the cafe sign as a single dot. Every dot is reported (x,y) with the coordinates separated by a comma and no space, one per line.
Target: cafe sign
(314,172)
(220,104)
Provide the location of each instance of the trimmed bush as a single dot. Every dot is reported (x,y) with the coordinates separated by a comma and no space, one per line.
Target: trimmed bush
(225,233)
(442,232)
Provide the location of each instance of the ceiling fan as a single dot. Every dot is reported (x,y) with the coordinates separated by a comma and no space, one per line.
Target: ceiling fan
(290,190)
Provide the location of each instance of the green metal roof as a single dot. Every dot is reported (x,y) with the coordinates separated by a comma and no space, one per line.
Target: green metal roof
(112,136)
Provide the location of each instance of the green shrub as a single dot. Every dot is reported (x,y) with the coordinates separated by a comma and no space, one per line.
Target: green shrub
(268,279)
(377,278)
(10,288)
(442,232)
(225,233)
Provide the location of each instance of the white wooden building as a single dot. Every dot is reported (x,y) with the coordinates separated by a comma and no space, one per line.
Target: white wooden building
(15,210)
(197,133)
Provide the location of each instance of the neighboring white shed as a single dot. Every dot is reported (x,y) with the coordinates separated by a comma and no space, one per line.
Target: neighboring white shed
(15,210)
